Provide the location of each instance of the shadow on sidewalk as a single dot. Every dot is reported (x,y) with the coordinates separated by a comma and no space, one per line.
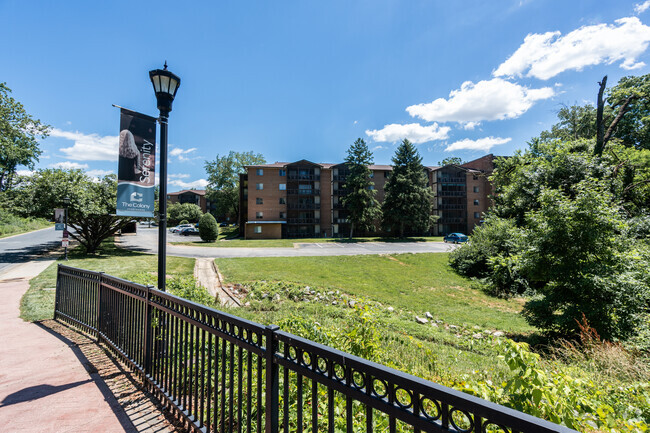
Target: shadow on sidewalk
(119,412)
(39,391)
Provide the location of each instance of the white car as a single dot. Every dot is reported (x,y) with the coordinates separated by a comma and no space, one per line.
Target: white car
(180,227)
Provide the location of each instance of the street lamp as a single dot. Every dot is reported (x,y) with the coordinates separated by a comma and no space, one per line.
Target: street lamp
(165,84)
(66,202)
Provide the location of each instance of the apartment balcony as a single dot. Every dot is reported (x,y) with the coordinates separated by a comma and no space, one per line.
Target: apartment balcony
(451,180)
(296,176)
(341,191)
(303,220)
(305,206)
(303,191)
(451,193)
(340,177)
(452,220)
(341,221)
(451,207)
(338,206)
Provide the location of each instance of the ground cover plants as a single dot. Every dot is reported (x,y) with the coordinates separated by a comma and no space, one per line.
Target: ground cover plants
(12,224)
(476,353)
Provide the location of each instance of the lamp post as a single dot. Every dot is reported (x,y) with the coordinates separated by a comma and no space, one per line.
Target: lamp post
(66,202)
(165,84)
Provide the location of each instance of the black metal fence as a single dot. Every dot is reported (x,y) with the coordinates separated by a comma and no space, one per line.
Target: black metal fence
(226,374)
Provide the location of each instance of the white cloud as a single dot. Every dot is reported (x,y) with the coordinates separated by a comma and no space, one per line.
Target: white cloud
(378,147)
(470,126)
(545,55)
(181,153)
(197,184)
(414,132)
(67,165)
(642,7)
(99,173)
(24,172)
(88,147)
(178,176)
(483,144)
(493,99)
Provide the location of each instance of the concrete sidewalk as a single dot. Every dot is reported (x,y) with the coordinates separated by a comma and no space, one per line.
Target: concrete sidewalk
(44,383)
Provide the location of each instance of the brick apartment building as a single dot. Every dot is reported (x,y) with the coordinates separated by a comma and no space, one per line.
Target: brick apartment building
(303,198)
(194,196)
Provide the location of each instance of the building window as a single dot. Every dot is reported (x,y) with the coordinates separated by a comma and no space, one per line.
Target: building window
(477,215)
(259,200)
(283,187)
(386,174)
(260,172)
(257,229)
(475,202)
(283,172)
(371,187)
(372,175)
(259,215)
(282,200)
(259,186)
(476,189)
(283,215)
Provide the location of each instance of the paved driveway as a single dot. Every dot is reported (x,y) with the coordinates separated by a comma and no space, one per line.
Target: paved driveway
(25,247)
(146,241)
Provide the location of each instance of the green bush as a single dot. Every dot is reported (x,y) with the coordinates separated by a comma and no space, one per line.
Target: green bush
(184,222)
(208,228)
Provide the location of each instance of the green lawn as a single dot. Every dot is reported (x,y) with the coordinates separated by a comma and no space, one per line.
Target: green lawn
(16,225)
(289,243)
(38,302)
(414,282)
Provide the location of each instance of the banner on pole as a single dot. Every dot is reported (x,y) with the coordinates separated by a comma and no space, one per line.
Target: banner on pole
(137,165)
(59,219)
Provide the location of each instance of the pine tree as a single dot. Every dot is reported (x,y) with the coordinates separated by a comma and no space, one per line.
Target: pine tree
(360,202)
(409,201)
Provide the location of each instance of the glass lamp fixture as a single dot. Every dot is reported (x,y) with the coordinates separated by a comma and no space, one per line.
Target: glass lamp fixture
(165,84)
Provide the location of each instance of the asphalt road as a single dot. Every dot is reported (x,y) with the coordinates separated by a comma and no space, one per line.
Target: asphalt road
(25,247)
(147,241)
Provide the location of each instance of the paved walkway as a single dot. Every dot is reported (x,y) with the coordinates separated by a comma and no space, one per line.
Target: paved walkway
(47,382)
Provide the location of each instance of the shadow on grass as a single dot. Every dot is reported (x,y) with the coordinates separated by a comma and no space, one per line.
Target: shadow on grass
(106,250)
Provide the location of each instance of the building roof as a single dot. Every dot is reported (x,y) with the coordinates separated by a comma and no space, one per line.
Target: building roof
(194,191)
(466,166)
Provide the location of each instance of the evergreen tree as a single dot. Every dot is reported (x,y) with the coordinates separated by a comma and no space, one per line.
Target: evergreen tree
(409,201)
(361,204)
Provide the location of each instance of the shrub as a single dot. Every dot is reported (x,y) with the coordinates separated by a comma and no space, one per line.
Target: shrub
(496,237)
(184,222)
(208,228)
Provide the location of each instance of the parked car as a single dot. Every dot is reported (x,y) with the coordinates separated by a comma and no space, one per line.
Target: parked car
(456,238)
(179,228)
(223,225)
(189,231)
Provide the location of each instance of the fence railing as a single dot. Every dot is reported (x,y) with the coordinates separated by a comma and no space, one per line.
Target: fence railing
(222,373)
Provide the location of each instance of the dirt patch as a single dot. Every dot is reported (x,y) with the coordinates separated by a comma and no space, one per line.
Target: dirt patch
(393,259)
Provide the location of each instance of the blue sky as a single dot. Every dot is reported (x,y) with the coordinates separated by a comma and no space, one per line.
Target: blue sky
(304,79)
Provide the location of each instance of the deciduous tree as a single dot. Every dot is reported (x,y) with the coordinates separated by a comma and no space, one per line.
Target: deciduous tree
(18,137)
(223,177)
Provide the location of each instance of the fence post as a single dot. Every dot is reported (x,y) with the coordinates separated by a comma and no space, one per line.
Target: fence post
(148,333)
(57,292)
(99,307)
(272,382)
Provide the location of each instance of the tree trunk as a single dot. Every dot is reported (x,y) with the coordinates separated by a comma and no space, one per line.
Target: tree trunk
(600,127)
(351,229)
